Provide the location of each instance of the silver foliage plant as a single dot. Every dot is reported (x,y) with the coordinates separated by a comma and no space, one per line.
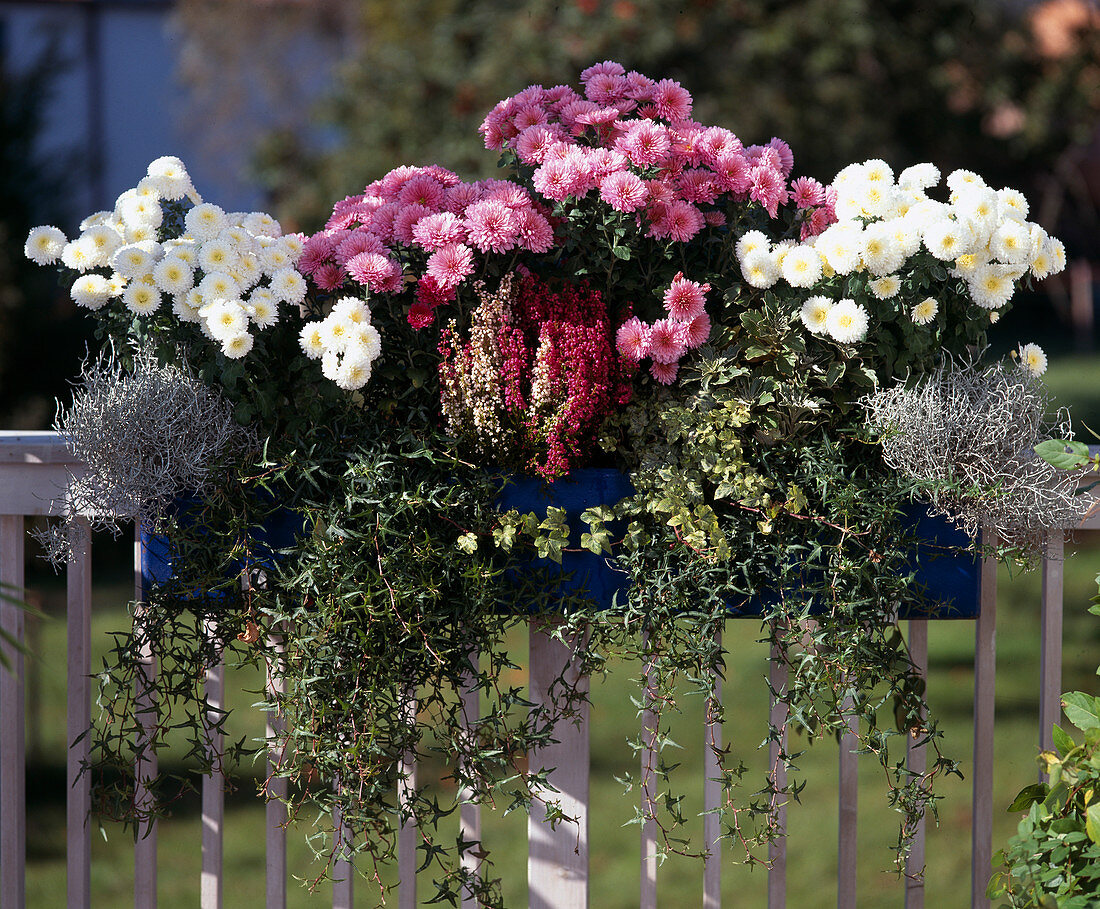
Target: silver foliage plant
(967,433)
(145,434)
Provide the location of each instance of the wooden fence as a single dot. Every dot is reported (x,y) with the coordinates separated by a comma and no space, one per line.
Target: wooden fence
(33,471)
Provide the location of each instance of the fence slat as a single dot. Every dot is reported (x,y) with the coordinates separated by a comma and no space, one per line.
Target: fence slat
(213,797)
(648,792)
(848,793)
(78,707)
(777,850)
(275,815)
(406,837)
(469,814)
(557,860)
(985,668)
(916,759)
(13,799)
(1050,664)
(343,874)
(712,798)
(145,765)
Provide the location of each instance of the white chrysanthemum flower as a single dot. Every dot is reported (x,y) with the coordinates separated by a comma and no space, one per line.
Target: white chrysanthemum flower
(1041,264)
(1037,237)
(352,308)
(919,176)
(1012,204)
(842,246)
(147,188)
(978,204)
(330,365)
(170,177)
(136,259)
(96,219)
(354,371)
(79,255)
(905,235)
(219,286)
(237,345)
(105,239)
(802,266)
(225,318)
(1011,243)
(312,340)
(815,314)
(91,291)
(852,173)
(759,269)
(205,221)
(118,283)
(139,233)
(365,338)
(45,244)
(886,287)
(876,199)
(185,249)
(247,270)
(1056,249)
(262,308)
(139,210)
(925,311)
(288,285)
(967,264)
(218,254)
(946,240)
(240,239)
(141,299)
(849,204)
(184,311)
(958,180)
(991,286)
(274,255)
(752,241)
(173,275)
(880,254)
(1032,359)
(878,171)
(847,322)
(336,332)
(262,224)
(294,245)
(994,316)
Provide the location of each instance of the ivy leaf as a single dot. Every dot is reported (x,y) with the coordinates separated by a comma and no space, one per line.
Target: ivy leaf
(467,543)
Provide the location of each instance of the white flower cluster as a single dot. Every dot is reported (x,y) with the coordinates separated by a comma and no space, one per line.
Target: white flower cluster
(981,235)
(226,272)
(345,342)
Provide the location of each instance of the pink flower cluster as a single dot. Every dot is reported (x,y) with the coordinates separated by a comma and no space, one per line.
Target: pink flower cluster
(368,235)
(665,341)
(632,140)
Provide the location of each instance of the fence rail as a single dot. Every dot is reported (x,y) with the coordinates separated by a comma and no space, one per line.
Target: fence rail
(34,469)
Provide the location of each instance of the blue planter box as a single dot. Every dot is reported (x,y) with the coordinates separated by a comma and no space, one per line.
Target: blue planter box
(948,576)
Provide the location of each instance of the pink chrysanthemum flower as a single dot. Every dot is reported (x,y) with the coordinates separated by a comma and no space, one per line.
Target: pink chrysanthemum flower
(624,191)
(430,293)
(606,161)
(461,196)
(665,345)
(806,192)
(665,373)
(423,189)
(732,171)
(646,143)
(683,221)
(698,185)
(786,156)
(446,177)
(694,334)
(344,213)
(572,110)
(532,143)
(714,218)
(329,276)
(639,87)
(632,339)
(529,115)
(717,141)
(819,220)
(356,242)
(420,315)
(373,270)
(535,232)
(381,224)
(492,226)
(390,185)
(451,265)
(315,252)
(672,101)
(553,179)
(660,192)
(607,68)
(438,230)
(405,219)
(601,116)
(767,188)
(580,172)
(685,299)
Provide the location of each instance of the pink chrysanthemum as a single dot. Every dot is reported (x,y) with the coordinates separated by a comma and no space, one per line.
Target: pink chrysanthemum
(492,226)
(665,345)
(451,265)
(605,88)
(632,339)
(685,299)
(329,276)
(714,218)
(601,116)
(535,232)
(683,221)
(420,315)
(572,110)
(553,179)
(806,192)
(532,143)
(430,293)
(698,185)
(659,192)
(438,230)
(819,220)
(732,171)
(356,242)
(639,87)
(405,219)
(315,252)
(718,141)
(607,68)
(665,373)
(624,191)
(446,177)
(390,185)
(461,196)
(767,188)
(694,334)
(786,156)
(422,189)
(373,270)
(645,143)
(381,223)
(606,161)
(529,115)
(672,101)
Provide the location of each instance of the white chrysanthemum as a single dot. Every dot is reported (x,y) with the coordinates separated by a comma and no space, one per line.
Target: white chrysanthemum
(288,285)
(876,199)
(185,249)
(225,318)
(1012,204)
(842,246)
(173,275)
(919,176)
(752,241)
(91,291)
(79,255)
(240,239)
(139,233)
(1011,243)
(846,176)
(237,345)
(354,371)
(352,308)
(262,308)
(815,314)
(878,171)
(1033,359)
(45,244)
(261,224)
(219,286)
(294,245)
(994,316)
(849,202)
(847,322)
(274,255)
(336,332)
(365,338)
(759,269)
(218,254)
(141,299)
(886,287)
(976,203)
(170,177)
(147,188)
(96,219)
(925,311)
(141,210)
(946,239)
(118,283)
(958,180)
(136,259)
(1056,249)
(1041,264)
(330,365)
(967,264)
(880,254)
(991,286)
(105,239)
(247,270)
(205,221)
(905,235)
(802,266)
(184,311)
(312,340)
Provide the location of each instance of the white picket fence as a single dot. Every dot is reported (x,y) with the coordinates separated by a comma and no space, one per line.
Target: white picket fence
(33,471)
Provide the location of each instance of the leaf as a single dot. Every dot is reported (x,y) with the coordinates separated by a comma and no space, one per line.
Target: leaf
(1063,741)
(1028,796)
(1092,822)
(1081,710)
(1064,455)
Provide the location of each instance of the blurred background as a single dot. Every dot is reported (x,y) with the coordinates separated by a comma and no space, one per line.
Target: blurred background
(289,105)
